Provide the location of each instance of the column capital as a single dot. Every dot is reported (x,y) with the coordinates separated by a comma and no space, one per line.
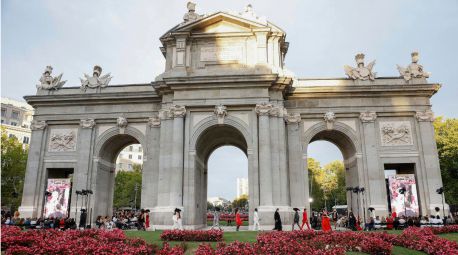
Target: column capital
(87,123)
(427,115)
(165,114)
(154,121)
(293,118)
(38,125)
(263,109)
(178,111)
(368,116)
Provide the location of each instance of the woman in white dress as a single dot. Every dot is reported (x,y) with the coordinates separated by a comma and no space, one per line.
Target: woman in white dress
(177,222)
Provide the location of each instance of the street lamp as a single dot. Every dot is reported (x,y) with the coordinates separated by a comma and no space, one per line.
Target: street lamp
(440,191)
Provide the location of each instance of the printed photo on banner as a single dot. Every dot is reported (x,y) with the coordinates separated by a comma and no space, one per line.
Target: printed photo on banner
(56,205)
(406,203)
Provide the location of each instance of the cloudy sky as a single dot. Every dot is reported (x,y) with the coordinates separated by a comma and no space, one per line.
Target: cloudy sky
(122,37)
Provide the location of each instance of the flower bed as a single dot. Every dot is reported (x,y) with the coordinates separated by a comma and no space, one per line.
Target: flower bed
(424,239)
(92,241)
(193,235)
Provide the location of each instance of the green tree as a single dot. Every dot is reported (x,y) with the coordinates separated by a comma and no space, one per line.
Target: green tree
(316,193)
(338,192)
(124,192)
(446,132)
(14,161)
(240,202)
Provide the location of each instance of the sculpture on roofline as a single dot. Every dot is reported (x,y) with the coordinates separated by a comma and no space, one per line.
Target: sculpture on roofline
(96,80)
(191,15)
(360,72)
(47,82)
(414,70)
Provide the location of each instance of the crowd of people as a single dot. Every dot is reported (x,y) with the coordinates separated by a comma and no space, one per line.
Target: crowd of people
(61,223)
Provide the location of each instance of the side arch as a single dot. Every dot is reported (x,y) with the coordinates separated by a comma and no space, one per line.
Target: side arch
(111,133)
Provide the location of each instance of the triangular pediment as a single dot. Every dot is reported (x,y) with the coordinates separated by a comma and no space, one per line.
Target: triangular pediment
(222,22)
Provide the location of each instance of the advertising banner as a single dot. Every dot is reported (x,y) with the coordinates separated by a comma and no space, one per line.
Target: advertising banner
(408,206)
(56,204)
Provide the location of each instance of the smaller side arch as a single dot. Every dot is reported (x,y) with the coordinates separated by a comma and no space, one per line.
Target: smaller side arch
(115,131)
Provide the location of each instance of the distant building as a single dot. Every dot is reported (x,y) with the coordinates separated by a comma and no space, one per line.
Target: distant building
(219,201)
(242,187)
(16,119)
(128,157)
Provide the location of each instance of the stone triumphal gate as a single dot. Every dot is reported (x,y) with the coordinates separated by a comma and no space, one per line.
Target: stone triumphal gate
(225,84)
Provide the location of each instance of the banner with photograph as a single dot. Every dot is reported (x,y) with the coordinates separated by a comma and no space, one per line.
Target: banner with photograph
(56,204)
(398,182)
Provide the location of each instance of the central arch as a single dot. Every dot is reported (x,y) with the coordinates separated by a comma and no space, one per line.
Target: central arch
(209,135)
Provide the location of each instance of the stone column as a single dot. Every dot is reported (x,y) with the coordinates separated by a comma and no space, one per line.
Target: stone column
(375,185)
(176,170)
(265,171)
(150,172)
(275,155)
(164,157)
(298,176)
(30,197)
(428,148)
(282,157)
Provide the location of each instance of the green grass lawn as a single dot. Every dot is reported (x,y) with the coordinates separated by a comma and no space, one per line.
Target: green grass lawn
(153,237)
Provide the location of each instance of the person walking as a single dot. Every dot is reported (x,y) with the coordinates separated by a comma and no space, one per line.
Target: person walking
(147,226)
(238,220)
(325,222)
(296,219)
(305,219)
(278,225)
(83,217)
(216,216)
(256,225)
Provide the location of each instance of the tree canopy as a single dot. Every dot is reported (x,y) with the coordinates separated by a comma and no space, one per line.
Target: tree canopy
(124,193)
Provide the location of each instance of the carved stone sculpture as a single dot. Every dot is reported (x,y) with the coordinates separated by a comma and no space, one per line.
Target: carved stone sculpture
(122,122)
(221,113)
(330,118)
(178,111)
(87,123)
(96,80)
(38,125)
(154,121)
(293,118)
(165,114)
(414,70)
(368,116)
(427,115)
(47,82)
(360,72)
(263,108)
(191,15)
(62,140)
(396,133)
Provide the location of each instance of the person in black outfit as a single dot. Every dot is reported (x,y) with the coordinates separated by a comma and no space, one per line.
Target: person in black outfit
(278,225)
(352,221)
(83,217)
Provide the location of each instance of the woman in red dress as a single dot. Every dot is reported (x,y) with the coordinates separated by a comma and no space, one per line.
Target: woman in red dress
(147,219)
(238,220)
(325,223)
(389,223)
(305,219)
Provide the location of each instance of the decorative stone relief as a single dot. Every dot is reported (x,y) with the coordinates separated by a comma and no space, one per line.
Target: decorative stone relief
(38,124)
(221,113)
(263,109)
(154,121)
(330,118)
(121,122)
(87,123)
(62,140)
(414,70)
(178,111)
(368,116)
(47,82)
(275,111)
(360,72)
(165,114)
(427,115)
(293,118)
(396,133)
(96,80)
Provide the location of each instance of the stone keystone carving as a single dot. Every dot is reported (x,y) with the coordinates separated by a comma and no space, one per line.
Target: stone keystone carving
(427,115)
(360,72)
(221,113)
(414,70)
(368,116)
(293,118)
(87,123)
(154,121)
(178,111)
(263,109)
(121,122)
(191,15)
(330,118)
(47,82)
(96,80)
(38,125)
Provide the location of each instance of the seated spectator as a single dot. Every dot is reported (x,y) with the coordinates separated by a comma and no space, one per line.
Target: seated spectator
(377,223)
(424,222)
